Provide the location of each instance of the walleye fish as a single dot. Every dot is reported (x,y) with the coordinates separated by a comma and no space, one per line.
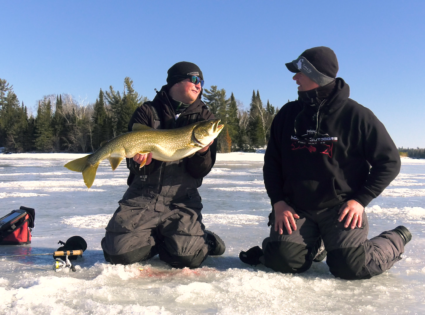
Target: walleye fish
(165,144)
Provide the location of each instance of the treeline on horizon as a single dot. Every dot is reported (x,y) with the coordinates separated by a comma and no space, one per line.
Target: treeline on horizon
(64,125)
(412,153)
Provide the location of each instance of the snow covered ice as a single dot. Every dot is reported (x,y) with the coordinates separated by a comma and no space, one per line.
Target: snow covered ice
(236,207)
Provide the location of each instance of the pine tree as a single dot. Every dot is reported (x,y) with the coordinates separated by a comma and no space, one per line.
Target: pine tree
(132,98)
(100,130)
(212,99)
(123,107)
(58,125)
(29,135)
(216,101)
(256,130)
(21,127)
(4,89)
(44,132)
(13,120)
(233,122)
(114,100)
(270,113)
(70,123)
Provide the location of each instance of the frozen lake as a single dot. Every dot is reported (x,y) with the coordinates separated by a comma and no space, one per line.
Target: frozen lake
(236,207)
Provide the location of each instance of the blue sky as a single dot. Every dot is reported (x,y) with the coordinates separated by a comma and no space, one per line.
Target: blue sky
(78,47)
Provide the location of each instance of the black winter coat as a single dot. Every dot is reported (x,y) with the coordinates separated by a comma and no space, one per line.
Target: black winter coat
(338,152)
(200,164)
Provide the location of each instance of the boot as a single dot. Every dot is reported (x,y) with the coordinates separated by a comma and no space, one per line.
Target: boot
(216,246)
(252,256)
(404,233)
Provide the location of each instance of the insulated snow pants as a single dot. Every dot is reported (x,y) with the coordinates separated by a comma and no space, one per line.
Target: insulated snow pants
(350,254)
(136,234)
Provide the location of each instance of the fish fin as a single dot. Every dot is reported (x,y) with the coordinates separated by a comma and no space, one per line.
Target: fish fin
(103,143)
(89,174)
(140,127)
(142,164)
(115,161)
(77,165)
(144,161)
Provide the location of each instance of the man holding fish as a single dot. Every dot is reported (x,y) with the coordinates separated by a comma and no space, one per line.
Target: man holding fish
(160,213)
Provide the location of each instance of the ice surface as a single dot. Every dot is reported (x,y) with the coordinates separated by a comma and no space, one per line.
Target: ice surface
(235,206)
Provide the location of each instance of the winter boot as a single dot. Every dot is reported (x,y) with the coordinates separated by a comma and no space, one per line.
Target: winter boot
(404,233)
(251,256)
(216,246)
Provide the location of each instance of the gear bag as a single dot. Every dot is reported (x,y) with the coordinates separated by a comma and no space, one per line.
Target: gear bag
(15,227)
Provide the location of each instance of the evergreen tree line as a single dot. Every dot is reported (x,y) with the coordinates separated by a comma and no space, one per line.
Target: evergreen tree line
(412,153)
(63,125)
(244,130)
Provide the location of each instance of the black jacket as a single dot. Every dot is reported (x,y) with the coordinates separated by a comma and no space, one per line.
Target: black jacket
(200,164)
(338,152)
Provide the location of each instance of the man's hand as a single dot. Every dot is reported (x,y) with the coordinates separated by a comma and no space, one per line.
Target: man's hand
(143,159)
(204,149)
(353,212)
(284,215)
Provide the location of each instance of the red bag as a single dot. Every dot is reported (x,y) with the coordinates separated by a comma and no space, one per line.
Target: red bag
(16,227)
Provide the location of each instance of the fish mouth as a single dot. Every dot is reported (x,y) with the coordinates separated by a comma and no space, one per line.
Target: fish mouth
(217,127)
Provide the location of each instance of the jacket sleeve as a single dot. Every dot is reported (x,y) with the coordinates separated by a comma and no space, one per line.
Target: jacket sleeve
(273,169)
(383,157)
(200,164)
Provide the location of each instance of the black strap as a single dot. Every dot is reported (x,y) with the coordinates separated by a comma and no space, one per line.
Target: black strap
(31,213)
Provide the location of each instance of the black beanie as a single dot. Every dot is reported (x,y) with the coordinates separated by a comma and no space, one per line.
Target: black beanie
(318,63)
(181,71)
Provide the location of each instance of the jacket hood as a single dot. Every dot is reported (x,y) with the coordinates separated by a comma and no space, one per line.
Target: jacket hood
(313,116)
(338,97)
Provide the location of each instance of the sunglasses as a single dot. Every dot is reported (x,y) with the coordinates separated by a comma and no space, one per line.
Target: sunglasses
(192,78)
(196,80)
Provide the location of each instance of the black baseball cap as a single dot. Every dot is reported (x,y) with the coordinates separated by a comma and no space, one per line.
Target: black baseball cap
(318,63)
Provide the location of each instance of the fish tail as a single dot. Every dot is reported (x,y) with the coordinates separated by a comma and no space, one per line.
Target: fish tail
(78,165)
(82,165)
(89,174)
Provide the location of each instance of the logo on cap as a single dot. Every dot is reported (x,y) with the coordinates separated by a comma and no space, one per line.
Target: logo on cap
(299,64)
(193,73)
(303,64)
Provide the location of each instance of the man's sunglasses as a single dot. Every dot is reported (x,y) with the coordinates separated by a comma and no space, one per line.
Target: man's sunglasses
(196,80)
(193,78)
